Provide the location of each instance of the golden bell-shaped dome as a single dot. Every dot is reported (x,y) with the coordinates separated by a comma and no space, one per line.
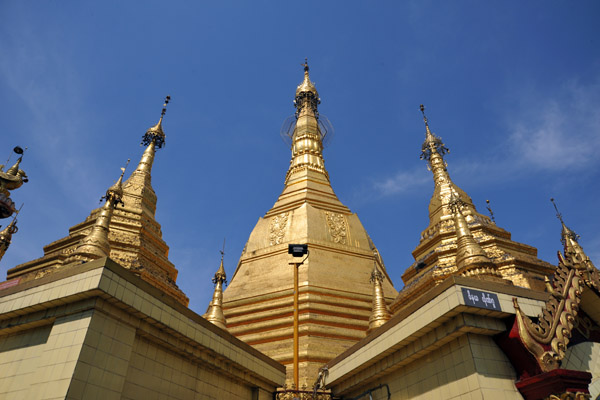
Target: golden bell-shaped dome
(307,85)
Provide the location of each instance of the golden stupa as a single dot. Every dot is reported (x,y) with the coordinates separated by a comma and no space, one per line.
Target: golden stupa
(461,241)
(134,236)
(334,291)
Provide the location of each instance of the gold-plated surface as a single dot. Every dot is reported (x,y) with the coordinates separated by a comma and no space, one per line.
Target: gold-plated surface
(547,339)
(134,235)
(334,294)
(306,85)
(471,260)
(307,147)
(12,179)
(379,312)
(296,336)
(436,254)
(95,245)
(6,236)
(214,313)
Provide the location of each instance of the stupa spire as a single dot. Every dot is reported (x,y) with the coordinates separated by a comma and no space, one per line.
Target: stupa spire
(470,258)
(380,313)
(214,313)
(307,144)
(153,139)
(96,245)
(433,150)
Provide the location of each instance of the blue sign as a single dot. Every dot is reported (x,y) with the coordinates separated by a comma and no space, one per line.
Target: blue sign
(477,298)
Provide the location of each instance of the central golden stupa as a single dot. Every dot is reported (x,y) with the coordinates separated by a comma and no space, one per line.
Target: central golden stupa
(335,294)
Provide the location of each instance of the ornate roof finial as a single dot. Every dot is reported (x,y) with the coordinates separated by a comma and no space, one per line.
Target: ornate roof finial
(6,234)
(155,134)
(566,231)
(433,144)
(153,138)
(14,177)
(489,208)
(306,94)
(308,131)
(380,313)
(96,245)
(572,248)
(471,259)
(214,312)
(114,194)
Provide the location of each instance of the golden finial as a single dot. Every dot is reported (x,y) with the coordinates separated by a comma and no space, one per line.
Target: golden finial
(214,312)
(155,134)
(6,233)
(471,259)
(220,275)
(14,177)
(114,194)
(96,244)
(306,93)
(489,208)
(380,313)
(433,144)
(305,64)
(566,231)
(422,108)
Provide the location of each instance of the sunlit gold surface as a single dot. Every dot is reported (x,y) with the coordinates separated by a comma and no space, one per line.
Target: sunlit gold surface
(547,339)
(214,313)
(334,293)
(436,254)
(13,178)
(95,245)
(134,235)
(6,236)
(379,312)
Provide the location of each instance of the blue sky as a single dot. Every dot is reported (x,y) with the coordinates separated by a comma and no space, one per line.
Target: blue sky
(512,87)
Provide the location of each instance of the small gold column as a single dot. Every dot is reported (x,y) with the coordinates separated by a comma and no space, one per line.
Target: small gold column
(296,346)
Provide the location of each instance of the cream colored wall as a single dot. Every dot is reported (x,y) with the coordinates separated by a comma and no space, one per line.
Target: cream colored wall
(155,373)
(38,363)
(468,367)
(95,335)
(102,365)
(585,357)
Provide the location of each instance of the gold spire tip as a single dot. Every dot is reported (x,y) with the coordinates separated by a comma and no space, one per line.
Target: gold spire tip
(164,110)
(155,134)
(422,108)
(558,214)
(305,64)
(125,167)
(489,208)
(566,231)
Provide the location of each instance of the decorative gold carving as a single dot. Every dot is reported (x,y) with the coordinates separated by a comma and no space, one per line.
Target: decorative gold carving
(547,339)
(569,396)
(291,393)
(337,226)
(277,228)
